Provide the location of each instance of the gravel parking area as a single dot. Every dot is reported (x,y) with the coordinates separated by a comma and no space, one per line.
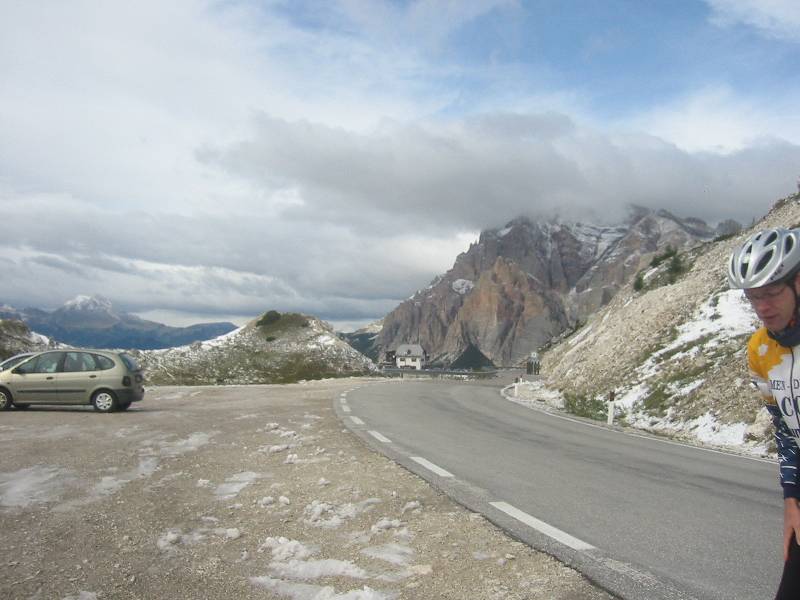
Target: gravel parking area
(239,492)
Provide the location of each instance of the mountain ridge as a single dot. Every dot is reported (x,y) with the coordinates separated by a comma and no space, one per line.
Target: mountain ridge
(90,321)
(520,285)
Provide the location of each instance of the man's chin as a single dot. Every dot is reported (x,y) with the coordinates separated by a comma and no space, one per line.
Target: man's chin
(774,325)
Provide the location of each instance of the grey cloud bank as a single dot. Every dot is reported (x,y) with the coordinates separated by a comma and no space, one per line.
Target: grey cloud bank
(194,158)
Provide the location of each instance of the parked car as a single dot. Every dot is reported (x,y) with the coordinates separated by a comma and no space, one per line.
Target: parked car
(15,360)
(107,380)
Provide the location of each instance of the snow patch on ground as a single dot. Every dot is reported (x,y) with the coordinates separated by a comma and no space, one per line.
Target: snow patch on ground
(33,485)
(462,286)
(235,484)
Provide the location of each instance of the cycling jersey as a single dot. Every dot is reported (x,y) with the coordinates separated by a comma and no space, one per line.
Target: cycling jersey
(772,369)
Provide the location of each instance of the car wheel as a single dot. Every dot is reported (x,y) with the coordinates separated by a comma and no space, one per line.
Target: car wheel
(5,399)
(104,401)
(124,405)
(21,406)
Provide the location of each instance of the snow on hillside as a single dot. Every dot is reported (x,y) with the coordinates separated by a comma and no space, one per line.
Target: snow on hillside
(674,353)
(292,348)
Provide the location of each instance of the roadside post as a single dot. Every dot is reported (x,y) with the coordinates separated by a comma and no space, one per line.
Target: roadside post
(611,396)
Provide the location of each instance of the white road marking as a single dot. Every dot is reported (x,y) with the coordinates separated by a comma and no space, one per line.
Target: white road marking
(380,437)
(356,420)
(542,527)
(431,467)
(345,408)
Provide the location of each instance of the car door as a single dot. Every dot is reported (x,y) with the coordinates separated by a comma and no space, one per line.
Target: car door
(76,378)
(36,381)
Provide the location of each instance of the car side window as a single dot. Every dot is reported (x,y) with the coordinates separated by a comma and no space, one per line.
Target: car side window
(79,362)
(103,362)
(44,363)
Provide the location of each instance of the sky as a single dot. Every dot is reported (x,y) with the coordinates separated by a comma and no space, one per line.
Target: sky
(204,161)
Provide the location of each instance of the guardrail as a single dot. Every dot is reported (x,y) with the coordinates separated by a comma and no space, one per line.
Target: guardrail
(438,373)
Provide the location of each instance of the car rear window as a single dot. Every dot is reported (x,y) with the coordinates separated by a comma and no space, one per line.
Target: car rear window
(130,362)
(103,362)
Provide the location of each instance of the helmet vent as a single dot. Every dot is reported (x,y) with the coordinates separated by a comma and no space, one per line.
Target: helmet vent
(771,238)
(764,261)
(788,245)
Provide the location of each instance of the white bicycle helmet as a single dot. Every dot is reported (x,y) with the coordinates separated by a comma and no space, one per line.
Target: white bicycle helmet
(766,257)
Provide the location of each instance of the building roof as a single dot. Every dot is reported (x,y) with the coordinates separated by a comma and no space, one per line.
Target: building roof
(409,350)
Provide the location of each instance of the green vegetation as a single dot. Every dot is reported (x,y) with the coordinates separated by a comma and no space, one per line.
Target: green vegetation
(657,401)
(676,267)
(585,406)
(274,323)
(670,252)
(726,236)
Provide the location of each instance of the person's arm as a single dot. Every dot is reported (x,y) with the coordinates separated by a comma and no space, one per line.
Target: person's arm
(787,459)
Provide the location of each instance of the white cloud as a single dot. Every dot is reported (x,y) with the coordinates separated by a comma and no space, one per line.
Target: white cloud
(776,18)
(715,119)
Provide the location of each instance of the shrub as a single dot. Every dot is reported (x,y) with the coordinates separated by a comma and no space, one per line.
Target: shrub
(585,406)
(676,267)
(668,253)
(270,317)
(638,283)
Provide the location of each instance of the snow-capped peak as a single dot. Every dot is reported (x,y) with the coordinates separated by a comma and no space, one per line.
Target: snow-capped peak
(88,303)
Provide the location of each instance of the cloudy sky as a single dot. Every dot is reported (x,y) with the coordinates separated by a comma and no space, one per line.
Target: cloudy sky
(207,160)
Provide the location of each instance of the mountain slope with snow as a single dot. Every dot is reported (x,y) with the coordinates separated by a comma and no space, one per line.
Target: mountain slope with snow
(275,348)
(673,351)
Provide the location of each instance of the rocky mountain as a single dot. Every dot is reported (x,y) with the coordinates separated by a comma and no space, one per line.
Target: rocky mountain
(672,347)
(275,348)
(521,285)
(364,339)
(16,337)
(91,321)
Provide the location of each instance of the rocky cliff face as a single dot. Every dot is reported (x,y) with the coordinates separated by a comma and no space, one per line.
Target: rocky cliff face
(16,338)
(519,286)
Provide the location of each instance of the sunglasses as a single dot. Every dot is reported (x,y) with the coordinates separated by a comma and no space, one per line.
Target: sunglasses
(767,294)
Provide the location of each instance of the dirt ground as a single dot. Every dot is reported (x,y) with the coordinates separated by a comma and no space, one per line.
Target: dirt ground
(239,492)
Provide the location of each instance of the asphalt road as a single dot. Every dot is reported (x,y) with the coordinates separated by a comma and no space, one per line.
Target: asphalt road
(644,517)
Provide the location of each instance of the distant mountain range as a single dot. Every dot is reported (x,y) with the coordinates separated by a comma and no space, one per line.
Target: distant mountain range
(91,321)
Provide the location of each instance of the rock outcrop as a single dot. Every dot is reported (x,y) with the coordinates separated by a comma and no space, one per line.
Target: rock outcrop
(519,286)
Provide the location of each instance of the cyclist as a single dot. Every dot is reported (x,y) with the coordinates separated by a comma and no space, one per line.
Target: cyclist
(767,267)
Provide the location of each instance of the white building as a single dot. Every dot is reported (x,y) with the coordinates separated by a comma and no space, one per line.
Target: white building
(410,356)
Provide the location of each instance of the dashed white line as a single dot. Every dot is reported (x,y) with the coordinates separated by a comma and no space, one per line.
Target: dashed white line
(431,467)
(542,527)
(380,437)
(345,408)
(356,420)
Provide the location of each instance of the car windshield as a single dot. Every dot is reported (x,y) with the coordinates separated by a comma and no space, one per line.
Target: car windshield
(14,360)
(129,361)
